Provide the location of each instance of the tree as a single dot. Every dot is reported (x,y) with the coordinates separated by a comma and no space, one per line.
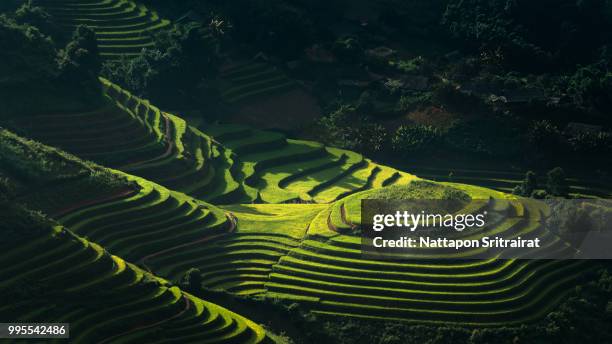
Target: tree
(39,18)
(27,55)
(192,280)
(80,57)
(556,183)
(528,185)
(79,63)
(184,58)
(569,33)
(545,136)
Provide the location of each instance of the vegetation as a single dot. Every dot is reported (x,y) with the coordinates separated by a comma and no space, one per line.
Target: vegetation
(122,217)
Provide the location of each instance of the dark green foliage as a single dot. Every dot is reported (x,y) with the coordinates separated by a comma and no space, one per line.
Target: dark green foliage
(544,136)
(528,185)
(556,183)
(531,35)
(192,281)
(348,50)
(413,17)
(591,86)
(19,223)
(485,137)
(10,5)
(594,144)
(34,164)
(348,128)
(135,74)
(7,189)
(272,25)
(412,100)
(27,56)
(453,98)
(408,140)
(39,18)
(79,61)
(183,58)
(34,78)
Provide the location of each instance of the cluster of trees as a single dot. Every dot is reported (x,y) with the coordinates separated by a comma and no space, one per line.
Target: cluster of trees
(183,59)
(280,27)
(39,72)
(556,185)
(350,127)
(532,35)
(545,138)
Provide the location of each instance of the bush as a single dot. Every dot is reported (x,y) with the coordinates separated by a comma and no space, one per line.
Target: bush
(414,139)
(528,185)
(556,183)
(348,128)
(412,100)
(192,281)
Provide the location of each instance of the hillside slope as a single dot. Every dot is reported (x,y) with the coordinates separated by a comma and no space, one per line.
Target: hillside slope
(104,298)
(122,27)
(223,164)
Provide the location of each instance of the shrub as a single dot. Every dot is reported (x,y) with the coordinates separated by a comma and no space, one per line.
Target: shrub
(411,100)
(413,65)
(528,185)
(348,128)
(192,281)
(412,139)
(556,183)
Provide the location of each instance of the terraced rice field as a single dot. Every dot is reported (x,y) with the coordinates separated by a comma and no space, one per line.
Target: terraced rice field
(298,242)
(105,298)
(134,136)
(122,27)
(253,80)
(285,170)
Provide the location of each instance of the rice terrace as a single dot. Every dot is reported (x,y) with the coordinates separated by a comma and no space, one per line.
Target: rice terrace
(195,171)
